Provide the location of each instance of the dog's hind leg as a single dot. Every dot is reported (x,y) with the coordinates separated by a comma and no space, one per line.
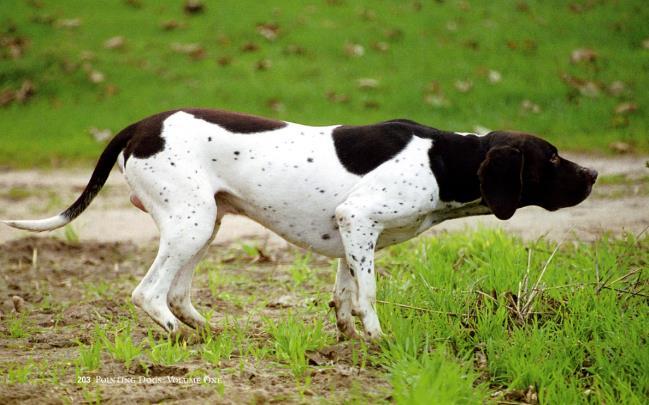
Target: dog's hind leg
(181,240)
(179,296)
(184,210)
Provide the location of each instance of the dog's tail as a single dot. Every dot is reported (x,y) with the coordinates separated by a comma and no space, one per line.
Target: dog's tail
(97,181)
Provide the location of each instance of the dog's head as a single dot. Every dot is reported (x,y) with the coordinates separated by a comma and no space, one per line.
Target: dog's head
(521,169)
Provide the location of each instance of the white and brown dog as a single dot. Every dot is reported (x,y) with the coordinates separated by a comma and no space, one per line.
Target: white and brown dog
(341,191)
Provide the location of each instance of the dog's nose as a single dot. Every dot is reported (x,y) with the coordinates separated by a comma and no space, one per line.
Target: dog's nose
(591,173)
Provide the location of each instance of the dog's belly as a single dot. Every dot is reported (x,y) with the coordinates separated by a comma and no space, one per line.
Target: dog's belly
(311,226)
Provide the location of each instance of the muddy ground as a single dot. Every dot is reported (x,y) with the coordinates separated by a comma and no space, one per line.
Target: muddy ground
(68,286)
(71,288)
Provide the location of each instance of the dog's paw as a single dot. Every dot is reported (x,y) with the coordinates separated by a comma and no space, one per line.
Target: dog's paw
(373,336)
(347,329)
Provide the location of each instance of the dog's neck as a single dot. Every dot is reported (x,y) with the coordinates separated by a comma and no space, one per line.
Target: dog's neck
(455,160)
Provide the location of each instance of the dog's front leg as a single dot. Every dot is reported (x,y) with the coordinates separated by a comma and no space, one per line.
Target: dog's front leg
(359,234)
(345,299)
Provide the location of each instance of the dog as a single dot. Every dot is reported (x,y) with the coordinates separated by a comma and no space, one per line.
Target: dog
(341,191)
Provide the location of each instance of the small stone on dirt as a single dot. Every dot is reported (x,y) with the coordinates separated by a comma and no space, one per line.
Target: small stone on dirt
(19,303)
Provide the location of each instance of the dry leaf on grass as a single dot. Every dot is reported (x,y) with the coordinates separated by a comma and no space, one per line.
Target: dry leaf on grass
(193,7)
(583,55)
(269,31)
(116,42)
(625,108)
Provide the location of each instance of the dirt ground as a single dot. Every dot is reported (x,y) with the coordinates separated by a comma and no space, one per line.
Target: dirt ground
(64,300)
(69,287)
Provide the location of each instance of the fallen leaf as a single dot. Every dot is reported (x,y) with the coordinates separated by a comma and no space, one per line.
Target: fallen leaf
(336,97)
(69,23)
(116,42)
(625,108)
(276,105)
(585,87)
(193,7)
(436,100)
(463,86)
(96,76)
(381,46)
(354,50)
(13,47)
(25,91)
(530,106)
(494,76)
(617,88)
(620,147)
(100,135)
(224,60)
(249,47)
(194,50)
(269,31)
(6,97)
(169,25)
(367,83)
(293,49)
(583,55)
(285,301)
(263,64)
(645,43)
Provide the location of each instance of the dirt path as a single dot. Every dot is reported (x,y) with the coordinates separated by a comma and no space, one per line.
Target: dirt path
(618,204)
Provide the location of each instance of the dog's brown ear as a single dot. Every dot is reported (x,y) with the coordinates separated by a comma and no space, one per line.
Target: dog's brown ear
(501,180)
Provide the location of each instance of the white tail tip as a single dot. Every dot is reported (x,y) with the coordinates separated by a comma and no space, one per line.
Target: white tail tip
(40,225)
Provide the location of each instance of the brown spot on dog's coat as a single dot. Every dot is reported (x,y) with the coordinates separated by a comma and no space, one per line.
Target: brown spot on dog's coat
(236,122)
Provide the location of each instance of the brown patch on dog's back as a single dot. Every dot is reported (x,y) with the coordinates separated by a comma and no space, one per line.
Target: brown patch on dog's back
(236,122)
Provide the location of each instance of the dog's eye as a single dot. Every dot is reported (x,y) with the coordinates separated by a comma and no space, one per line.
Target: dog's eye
(555,159)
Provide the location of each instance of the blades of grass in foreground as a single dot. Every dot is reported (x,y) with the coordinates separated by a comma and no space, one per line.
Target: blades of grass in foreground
(561,339)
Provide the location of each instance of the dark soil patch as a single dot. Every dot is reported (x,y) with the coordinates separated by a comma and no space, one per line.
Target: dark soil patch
(67,290)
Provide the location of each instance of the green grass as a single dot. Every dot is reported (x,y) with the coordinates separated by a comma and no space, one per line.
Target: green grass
(17,326)
(419,53)
(167,351)
(292,339)
(580,340)
(121,346)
